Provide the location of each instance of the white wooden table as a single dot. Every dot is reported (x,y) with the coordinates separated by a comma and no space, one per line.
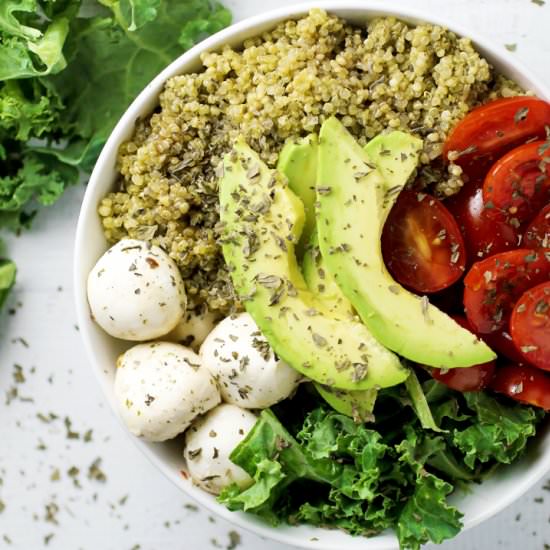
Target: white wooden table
(45,482)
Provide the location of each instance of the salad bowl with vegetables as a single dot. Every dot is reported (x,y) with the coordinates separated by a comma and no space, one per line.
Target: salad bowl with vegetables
(374,372)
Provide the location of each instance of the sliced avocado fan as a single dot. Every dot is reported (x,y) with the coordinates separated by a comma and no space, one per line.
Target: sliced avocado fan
(353,201)
(298,162)
(358,404)
(263,220)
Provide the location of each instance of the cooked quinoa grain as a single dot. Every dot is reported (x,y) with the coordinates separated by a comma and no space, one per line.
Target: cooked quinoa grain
(282,85)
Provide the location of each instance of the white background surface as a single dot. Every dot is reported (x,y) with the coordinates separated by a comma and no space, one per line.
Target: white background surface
(135,507)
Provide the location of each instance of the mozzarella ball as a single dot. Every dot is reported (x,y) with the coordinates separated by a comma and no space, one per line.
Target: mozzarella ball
(136,292)
(209,442)
(193,328)
(161,388)
(247,370)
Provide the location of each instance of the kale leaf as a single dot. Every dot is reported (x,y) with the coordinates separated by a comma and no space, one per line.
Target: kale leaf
(365,478)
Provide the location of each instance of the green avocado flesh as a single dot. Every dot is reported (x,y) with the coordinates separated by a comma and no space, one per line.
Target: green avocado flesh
(263,219)
(298,162)
(353,201)
(319,280)
(356,404)
(384,152)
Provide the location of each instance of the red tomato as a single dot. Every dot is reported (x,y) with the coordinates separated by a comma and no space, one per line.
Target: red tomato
(474,378)
(489,131)
(483,235)
(502,343)
(493,285)
(518,184)
(538,233)
(421,243)
(530,325)
(523,383)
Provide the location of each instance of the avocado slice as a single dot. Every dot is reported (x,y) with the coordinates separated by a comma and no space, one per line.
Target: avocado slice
(354,200)
(298,162)
(356,404)
(262,222)
(379,153)
(321,282)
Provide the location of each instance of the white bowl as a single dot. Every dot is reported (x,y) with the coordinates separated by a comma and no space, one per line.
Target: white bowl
(483,501)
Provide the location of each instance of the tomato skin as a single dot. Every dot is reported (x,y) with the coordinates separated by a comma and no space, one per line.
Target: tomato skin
(518,184)
(422,244)
(483,234)
(530,325)
(524,384)
(501,342)
(474,378)
(489,131)
(537,233)
(493,285)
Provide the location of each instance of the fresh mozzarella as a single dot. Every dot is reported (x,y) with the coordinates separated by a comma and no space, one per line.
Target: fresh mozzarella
(248,372)
(193,328)
(161,388)
(136,292)
(209,442)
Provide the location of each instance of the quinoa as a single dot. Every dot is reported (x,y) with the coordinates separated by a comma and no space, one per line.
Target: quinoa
(281,85)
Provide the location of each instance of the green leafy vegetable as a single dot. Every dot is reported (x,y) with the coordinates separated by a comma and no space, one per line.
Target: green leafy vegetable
(132,14)
(426,515)
(500,433)
(365,478)
(7,278)
(420,403)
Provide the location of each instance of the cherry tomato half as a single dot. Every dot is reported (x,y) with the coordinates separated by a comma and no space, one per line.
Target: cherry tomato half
(483,235)
(530,325)
(489,131)
(523,383)
(538,233)
(493,285)
(518,184)
(474,378)
(502,343)
(421,243)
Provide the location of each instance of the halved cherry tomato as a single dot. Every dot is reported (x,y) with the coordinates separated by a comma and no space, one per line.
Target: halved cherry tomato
(473,378)
(530,325)
(493,285)
(502,343)
(523,383)
(483,235)
(421,243)
(538,233)
(518,184)
(489,131)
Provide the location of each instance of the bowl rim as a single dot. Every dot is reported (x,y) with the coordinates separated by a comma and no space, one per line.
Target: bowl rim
(257,23)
